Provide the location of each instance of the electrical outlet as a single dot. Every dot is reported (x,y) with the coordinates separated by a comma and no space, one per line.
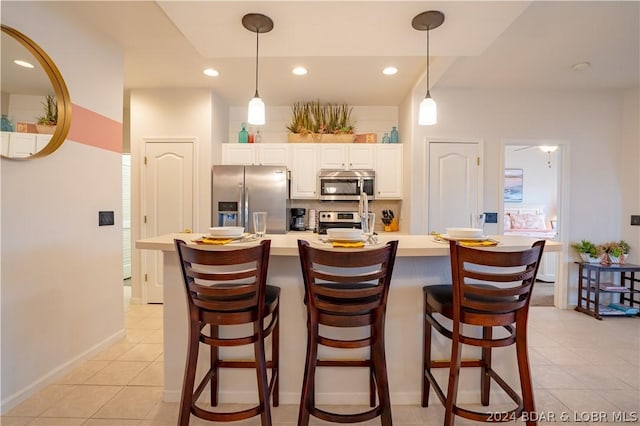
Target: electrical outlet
(490,217)
(635,219)
(106,218)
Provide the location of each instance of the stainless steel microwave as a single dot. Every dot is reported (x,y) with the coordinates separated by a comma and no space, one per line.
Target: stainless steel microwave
(342,185)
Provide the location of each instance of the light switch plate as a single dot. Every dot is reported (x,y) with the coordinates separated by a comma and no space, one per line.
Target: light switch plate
(635,219)
(490,217)
(106,218)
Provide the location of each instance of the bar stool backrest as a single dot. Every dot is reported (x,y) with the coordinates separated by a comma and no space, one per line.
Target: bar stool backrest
(225,280)
(491,282)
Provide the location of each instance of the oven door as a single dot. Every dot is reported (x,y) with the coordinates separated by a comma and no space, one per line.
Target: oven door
(340,189)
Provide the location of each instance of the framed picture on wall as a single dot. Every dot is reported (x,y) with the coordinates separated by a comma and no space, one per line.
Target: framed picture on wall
(513,185)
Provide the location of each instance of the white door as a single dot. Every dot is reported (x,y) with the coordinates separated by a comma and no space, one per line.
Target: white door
(168,204)
(455,183)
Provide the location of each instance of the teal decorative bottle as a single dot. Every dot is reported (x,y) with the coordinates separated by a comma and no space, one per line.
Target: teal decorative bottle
(385,138)
(243,136)
(394,135)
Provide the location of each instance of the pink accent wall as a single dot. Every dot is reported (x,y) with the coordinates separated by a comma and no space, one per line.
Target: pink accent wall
(90,128)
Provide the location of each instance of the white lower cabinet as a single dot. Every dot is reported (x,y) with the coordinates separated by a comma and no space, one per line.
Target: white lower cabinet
(389,171)
(304,171)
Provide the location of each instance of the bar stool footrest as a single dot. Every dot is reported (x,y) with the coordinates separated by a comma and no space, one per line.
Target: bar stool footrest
(345,418)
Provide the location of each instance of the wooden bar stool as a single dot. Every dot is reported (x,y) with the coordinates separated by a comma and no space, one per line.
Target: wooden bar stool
(490,289)
(229,287)
(346,289)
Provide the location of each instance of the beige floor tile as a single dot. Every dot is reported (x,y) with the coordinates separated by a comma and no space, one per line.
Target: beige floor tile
(117,373)
(53,421)
(142,352)
(625,400)
(41,401)
(285,413)
(83,372)
(153,375)
(83,401)
(154,336)
(112,422)
(135,335)
(114,351)
(15,421)
(581,401)
(554,377)
(131,403)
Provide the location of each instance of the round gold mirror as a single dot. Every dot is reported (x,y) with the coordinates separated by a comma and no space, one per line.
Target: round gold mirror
(36,107)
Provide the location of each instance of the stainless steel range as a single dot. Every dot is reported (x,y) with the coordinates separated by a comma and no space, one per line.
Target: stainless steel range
(328,220)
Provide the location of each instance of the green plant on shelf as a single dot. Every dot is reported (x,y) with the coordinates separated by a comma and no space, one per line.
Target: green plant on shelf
(587,247)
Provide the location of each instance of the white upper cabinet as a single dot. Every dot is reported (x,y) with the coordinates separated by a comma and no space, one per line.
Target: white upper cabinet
(272,154)
(389,171)
(237,153)
(347,156)
(267,154)
(304,171)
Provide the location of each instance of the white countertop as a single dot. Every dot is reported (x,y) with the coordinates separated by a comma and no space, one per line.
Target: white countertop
(408,246)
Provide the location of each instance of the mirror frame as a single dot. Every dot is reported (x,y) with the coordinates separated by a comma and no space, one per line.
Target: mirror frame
(63,100)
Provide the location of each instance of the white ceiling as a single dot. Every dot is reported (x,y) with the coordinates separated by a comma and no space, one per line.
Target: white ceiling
(345,45)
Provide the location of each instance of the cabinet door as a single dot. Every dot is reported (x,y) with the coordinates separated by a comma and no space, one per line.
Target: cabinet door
(5,143)
(22,145)
(389,171)
(273,154)
(241,154)
(304,171)
(333,156)
(361,157)
(42,141)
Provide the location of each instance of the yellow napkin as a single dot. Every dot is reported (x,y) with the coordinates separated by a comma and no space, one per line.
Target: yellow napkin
(215,241)
(485,243)
(348,244)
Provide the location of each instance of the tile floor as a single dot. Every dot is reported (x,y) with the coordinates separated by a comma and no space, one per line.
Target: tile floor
(583,367)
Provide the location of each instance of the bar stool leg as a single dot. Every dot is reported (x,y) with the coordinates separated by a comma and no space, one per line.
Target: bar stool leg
(523,366)
(379,363)
(454,375)
(307,399)
(485,378)
(215,369)
(275,357)
(189,373)
(261,373)
(426,353)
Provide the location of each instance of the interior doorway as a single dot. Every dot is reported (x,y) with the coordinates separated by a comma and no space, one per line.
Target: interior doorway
(535,188)
(126,218)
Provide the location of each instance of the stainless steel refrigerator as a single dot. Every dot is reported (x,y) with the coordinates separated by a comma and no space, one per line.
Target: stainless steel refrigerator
(238,191)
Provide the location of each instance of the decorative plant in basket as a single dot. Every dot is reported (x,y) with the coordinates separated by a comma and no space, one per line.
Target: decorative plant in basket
(588,251)
(615,252)
(316,122)
(47,122)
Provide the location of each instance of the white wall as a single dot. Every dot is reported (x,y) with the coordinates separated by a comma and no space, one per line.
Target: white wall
(61,276)
(630,171)
(592,122)
(177,113)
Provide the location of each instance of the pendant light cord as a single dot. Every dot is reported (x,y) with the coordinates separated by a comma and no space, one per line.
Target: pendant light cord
(428,85)
(257,38)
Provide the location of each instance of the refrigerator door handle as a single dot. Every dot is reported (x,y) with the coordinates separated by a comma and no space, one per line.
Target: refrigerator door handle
(240,218)
(246,208)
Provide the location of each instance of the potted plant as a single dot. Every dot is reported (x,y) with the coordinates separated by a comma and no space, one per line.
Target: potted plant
(616,251)
(47,122)
(588,251)
(316,122)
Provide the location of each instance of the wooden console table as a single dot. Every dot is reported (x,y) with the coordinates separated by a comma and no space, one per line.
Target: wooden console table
(590,288)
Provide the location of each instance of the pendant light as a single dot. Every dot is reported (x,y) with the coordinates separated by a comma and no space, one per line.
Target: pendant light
(258,23)
(427,21)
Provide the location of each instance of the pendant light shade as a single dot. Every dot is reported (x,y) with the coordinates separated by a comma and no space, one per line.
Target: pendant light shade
(427,21)
(258,23)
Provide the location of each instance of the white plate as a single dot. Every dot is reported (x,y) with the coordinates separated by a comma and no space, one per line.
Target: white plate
(226,237)
(464,232)
(226,231)
(347,239)
(344,234)
(448,237)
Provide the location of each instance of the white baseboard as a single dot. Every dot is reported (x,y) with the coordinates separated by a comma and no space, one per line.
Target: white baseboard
(28,391)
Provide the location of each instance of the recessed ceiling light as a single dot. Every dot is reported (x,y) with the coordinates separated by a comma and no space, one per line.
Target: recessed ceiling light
(299,71)
(580,66)
(23,63)
(211,72)
(390,71)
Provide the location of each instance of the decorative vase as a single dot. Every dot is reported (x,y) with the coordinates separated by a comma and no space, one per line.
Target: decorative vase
(394,135)
(586,257)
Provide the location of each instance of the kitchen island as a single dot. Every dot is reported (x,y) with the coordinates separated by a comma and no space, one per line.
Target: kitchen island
(420,261)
